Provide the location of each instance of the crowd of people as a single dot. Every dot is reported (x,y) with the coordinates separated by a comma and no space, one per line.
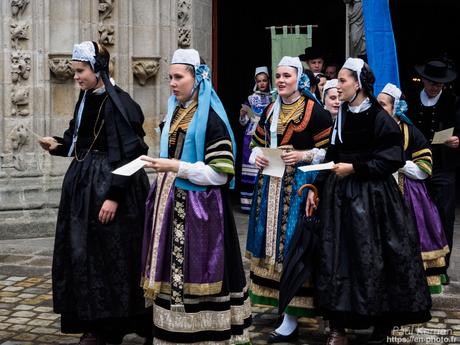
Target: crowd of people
(164,261)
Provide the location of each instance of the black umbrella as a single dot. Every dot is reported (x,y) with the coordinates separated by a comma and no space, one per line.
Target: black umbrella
(299,262)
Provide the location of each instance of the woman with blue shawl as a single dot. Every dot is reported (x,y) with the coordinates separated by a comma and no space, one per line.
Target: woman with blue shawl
(411,177)
(297,124)
(193,270)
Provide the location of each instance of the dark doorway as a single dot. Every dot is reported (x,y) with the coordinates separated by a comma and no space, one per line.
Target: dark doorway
(425,29)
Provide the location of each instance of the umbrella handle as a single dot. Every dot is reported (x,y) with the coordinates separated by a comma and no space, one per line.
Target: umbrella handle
(315,192)
(312,187)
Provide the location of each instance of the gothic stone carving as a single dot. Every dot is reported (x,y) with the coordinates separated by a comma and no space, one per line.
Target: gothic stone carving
(184,37)
(20,98)
(184,31)
(20,66)
(61,67)
(106,34)
(18,7)
(105,9)
(19,31)
(18,138)
(183,12)
(145,68)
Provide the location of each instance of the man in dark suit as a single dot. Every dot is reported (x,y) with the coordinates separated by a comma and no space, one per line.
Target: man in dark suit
(432,110)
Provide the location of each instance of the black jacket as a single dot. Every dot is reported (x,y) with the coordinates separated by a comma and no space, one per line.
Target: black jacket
(444,114)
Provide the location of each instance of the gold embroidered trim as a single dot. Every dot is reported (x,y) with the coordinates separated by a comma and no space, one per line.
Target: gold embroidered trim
(178,249)
(241,338)
(435,254)
(401,182)
(191,288)
(297,301)
(181,120)
(405,130)
(322,143)
(268,273)
(292,127)
(150,288)
(175,321)
(433,280)
(274,192)
(220,142)
(422,152)
(241,312)
(435,263)
(198,299)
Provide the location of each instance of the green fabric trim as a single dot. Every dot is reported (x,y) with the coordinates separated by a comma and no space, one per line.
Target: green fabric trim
(435,289)
(443,279)
(255,299)
(426,169)
(294,311)
(222,165)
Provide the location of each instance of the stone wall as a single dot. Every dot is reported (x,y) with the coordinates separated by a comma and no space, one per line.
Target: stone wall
(38,93)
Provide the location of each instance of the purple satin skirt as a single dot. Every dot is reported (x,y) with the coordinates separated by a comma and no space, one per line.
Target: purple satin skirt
(204,235)
(426,215)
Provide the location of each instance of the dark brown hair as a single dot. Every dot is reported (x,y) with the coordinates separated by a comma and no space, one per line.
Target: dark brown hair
(367,79)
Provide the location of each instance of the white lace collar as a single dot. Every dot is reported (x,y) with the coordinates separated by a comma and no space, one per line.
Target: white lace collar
(427,101)
(366,104)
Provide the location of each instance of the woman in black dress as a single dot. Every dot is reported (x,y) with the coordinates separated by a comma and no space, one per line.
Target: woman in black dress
(97,253)
(370,271)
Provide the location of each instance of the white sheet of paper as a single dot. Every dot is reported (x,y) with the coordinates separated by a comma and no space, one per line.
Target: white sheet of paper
(317,167)
(276,166)
(130,168)
(441,136)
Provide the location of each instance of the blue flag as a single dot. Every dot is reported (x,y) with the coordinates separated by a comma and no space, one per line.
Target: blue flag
(380,43)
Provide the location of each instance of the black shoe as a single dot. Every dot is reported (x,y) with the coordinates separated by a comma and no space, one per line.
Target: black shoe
(275,337)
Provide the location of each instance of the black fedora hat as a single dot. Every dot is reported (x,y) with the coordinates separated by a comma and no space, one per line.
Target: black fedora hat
(311,53)
(436,70)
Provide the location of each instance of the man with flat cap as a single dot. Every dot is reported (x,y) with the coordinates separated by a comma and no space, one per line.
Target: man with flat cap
(432,110)
(314,58)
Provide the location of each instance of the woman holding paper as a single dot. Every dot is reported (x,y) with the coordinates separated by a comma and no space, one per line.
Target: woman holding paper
(411,177)
(249,118)
(96,262)
(193,269)
(97,251)
(370,271)
(297,125)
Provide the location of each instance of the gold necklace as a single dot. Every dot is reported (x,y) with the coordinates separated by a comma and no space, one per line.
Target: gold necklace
(176,124)
(96,135)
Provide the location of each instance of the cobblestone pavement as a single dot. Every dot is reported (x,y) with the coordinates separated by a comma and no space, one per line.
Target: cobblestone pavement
(26,315)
